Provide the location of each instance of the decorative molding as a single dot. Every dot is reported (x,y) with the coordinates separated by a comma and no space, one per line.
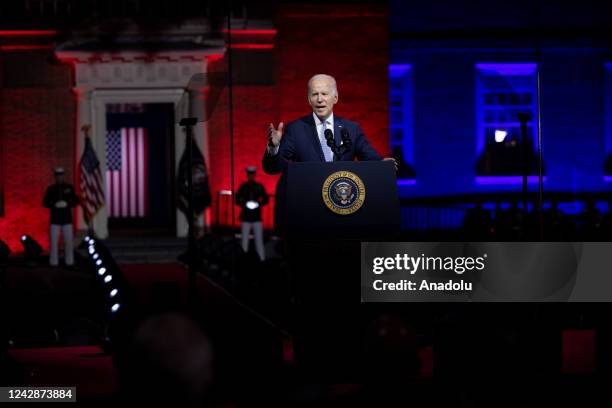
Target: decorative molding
(136,70)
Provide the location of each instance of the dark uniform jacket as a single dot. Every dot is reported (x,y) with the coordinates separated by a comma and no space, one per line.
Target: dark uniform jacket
(59,192)
(251,191)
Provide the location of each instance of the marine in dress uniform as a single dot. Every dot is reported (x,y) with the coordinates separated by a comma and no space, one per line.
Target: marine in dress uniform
(251,197)
(60,199)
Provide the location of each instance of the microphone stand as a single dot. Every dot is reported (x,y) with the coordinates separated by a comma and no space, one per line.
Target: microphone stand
(339,150)
(525,149)
(329,136)
(188,124)
(538,56)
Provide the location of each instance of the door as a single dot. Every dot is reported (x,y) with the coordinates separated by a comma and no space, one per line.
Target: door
(140,168)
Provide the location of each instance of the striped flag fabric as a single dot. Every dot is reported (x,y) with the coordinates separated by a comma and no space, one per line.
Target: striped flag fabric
(91,182)
(127,172)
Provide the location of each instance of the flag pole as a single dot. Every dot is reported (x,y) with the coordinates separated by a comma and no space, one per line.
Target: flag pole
(188,124)
(90,231)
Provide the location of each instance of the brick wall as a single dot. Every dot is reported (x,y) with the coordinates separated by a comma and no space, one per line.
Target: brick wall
(37,131)
(37,123)
(347,41)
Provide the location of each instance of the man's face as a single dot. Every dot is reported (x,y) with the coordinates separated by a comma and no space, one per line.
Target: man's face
(59,178)
(321,97)
(251,176)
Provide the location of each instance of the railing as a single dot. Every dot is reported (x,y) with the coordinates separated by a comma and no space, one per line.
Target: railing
(448,213)
(422,217)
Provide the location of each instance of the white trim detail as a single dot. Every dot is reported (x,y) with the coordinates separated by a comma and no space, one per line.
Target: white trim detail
(128,77)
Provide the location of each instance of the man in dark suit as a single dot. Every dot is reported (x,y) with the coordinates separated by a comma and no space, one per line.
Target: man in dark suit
(304,139)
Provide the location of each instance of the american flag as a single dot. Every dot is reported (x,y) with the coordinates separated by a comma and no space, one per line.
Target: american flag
(127,172)
(91,183)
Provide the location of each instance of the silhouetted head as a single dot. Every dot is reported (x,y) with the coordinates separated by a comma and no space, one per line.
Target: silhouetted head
(391,348)
(169,360)
(58,173)
(251,171)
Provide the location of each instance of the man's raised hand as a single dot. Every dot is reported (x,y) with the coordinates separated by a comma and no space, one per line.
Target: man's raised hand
(275,134)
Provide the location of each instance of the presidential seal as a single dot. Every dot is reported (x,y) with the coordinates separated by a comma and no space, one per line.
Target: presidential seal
(343,192)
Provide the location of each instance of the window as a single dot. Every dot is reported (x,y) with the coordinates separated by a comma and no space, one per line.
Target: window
(505,108)
(401,120)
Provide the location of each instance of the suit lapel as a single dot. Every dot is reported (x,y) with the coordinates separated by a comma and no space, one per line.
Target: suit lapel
(338,125)
(315,137)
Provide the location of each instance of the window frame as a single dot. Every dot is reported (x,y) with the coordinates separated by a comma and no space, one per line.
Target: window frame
(502,69)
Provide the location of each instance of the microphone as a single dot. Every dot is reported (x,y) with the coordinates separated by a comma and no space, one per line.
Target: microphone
(346,138)
(329,136)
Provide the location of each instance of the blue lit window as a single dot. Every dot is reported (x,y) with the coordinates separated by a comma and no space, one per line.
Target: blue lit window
(505,98)
(401,120)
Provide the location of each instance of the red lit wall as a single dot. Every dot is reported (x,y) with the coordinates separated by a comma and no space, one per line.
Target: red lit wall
(37,128)
(37,108)
(347,41)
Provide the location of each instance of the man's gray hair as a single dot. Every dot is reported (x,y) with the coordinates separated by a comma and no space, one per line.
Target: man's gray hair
(327,77)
